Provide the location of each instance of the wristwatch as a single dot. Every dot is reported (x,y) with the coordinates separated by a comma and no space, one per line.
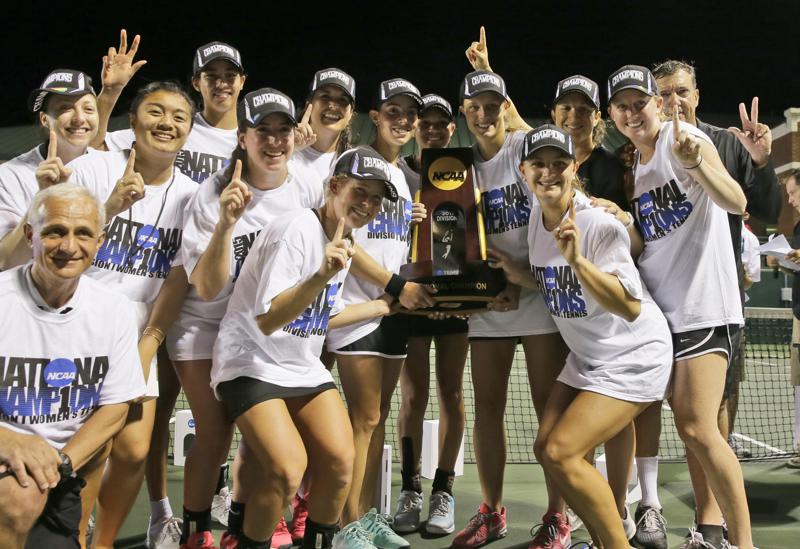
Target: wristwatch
(65,467)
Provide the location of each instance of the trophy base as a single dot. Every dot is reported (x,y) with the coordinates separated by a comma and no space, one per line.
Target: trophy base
(467,292)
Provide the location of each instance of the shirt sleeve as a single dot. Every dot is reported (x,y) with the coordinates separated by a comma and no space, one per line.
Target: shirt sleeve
(119,140)
(200,218)
(13,204)
(608,247)
(751,257)
(125,380)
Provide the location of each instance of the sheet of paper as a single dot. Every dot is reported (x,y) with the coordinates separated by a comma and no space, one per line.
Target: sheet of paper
(778,247)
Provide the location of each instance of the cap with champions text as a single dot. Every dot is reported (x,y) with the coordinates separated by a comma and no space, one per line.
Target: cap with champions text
(61,82)
(260,103)
(433,101)
(632,77)
(216,50)
(580,84)
(398,86)
(365,163)
(480,81)
(547,135)
(335,77)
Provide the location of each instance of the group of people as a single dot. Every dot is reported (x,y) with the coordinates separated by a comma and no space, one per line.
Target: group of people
(254,246)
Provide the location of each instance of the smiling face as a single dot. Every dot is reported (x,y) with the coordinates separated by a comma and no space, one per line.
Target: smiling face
(332,108)
(74,119)
(679,89)
(484,114)
(162,123)
(357,200)
(220,83)
(636,115)
(270,144)
(434,129)
(395,120)
(549,174)
(576,115)
(67,240)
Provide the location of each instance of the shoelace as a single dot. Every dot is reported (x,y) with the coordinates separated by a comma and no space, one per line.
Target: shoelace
(357,535)
(381,525)
(441,508)
(172,528)
(409,503)
(542,532)
(478,519)
(696,541)
(652,520)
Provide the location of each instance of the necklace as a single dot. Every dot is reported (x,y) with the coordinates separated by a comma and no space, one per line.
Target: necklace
(138,246)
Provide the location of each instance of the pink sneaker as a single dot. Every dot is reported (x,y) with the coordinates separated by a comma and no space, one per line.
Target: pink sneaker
(200,540)
(281,538)
(554,533)
(483,527)
(228,541)
(299,516)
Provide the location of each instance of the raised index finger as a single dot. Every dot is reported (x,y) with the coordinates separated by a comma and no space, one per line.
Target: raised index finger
(754,111)
(483,37)
(237,171)
(52,147)
(571,209)
(130,164)
(123,41)
(307,115)
(743,116)
(676,123)
(339,230)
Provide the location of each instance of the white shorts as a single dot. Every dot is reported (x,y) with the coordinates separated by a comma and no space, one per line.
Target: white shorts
(191,338)
(530,318)
(142,315)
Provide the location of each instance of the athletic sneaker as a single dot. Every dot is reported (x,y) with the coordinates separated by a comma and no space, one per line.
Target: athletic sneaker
(352,536)
(409,509)
(554,533)
(651,528)
(228,541)
(299,516)
(90,530)
(379,528)
(575,522)
(628,524)
(441,513)
(200,540)
(281,538)
(220,506)
(483,527)
(695,541)
(164,534)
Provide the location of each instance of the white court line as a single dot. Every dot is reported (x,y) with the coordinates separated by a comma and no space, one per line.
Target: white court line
(772,449)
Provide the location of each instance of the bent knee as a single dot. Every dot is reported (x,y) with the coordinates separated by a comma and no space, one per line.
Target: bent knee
(19,512)
(557,452)
(129,452)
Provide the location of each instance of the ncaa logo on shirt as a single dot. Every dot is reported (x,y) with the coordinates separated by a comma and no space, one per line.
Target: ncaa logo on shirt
(60,372)
(645,204)
(549,278)
(147,237)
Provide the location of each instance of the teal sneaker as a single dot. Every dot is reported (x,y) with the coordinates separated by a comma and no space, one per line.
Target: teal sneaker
(352,536)
(379,528)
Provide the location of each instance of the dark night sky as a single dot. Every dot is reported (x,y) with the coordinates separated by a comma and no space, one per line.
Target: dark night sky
(740,48)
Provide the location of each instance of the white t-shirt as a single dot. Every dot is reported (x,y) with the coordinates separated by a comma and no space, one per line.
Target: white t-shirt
(687,262)
(412,176)
(751,257)
(627,360)
(142,242)
(507,203)
(287,252)
(202,215)
(387,240)
(207,149)
(18,185)
(56,369)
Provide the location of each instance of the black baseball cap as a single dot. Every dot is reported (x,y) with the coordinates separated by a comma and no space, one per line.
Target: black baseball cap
(398,86)
(265,101)
(365,163)
(216,50)
(480,81)
(433,101)
(547,135)
(634,77)
(335,77)
(61,82)
(581,84)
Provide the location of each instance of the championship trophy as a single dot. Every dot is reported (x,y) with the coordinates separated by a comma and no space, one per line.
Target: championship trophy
(448,250)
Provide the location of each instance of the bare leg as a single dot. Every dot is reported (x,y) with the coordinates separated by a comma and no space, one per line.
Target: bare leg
(451,357)
(156,465)
(414,386)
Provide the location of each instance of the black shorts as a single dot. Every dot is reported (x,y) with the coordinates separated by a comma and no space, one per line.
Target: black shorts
(422,326)
(389,339)
(700,342)
(58,526)
(242,393)
(735,373)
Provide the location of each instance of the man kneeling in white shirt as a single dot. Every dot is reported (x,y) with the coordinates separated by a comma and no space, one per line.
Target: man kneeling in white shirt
(68,369)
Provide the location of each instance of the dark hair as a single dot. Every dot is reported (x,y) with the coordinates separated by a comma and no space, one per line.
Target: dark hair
(793,173)
(672,66)
(166,86)
(238,153)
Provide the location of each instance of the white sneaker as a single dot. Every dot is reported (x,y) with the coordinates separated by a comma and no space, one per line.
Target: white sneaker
(575,521)
(409,509)
(164,534)
(441,513)
(220,506)
(628,524)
